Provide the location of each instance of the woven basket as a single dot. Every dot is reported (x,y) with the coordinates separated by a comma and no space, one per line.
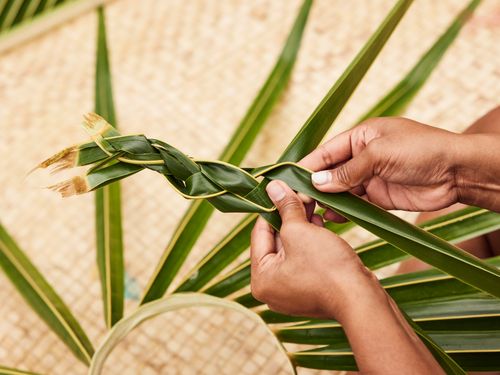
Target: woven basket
(185,72)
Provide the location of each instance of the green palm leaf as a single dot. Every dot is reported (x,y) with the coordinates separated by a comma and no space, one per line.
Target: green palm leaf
(14,12)
(13,371)
(396,101)
(399,233)
(197,215)
(427,296)
(455,227)
(43,299)
(21,20)
(316,126)
(447,363)
(340,357)
(161,306)
(393,103)
(232,281)
(108,199)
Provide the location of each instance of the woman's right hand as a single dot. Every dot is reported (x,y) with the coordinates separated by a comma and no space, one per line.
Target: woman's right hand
(401,164)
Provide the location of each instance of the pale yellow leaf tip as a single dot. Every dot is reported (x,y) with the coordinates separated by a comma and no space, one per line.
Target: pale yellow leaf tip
(73,186)
(95,124)
(64,159)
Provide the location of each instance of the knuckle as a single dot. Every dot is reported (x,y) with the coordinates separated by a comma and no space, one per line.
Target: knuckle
(367,124)
(342,175)
(291,203)
(373,128)
(325,155)
(374,122)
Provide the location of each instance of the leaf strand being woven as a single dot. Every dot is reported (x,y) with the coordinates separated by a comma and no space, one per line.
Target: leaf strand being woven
(233,189)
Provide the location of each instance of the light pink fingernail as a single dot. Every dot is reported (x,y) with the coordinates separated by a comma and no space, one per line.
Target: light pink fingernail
(275,191)
(321,177)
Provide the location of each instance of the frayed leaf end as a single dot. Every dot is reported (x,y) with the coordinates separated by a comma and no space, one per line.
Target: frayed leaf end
(95,125)
(74,186)
(64,159)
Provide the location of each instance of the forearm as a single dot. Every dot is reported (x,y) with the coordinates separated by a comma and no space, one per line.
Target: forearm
(381,339)
(477,170)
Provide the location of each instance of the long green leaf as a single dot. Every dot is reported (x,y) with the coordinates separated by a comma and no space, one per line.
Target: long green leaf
(15,12)
(408,238)
(14,371)
(237,190)
(315,128)
(486,358)
(21,20)
(43,299)
(427,296)
(196,217)
(232,281)
(454,227)
(396,101)
(206,181)
(220,256)
(445,361)
(329,333)
(108,199)
(393,103)
(165,305)
(308,137)
(431,285)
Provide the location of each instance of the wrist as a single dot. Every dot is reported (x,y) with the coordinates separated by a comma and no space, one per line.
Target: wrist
(358,294)
(476,169)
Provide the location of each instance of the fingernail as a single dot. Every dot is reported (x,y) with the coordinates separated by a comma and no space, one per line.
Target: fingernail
(275,191)
(321,178)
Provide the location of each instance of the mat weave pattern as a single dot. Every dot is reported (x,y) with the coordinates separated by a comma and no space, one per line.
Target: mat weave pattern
(185,72)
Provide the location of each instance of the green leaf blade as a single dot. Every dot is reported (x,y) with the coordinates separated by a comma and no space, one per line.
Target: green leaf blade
(399,233)
(35,289)
(313,131)
(14,371)
(109,236)
(164,305)
(396,101)
(197,216)
(455,227)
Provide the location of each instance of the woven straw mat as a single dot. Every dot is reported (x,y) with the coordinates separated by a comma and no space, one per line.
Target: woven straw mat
(185,72)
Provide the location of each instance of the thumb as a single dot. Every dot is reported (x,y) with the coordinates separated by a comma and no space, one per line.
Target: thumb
(345,177)
(286,201)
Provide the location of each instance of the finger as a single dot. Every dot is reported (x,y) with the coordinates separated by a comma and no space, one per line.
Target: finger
(279,243)
(309,209)
(262,241)
(305,198)
(332,152)
(317,220)
(347,176)
(358,190)
(331,215)
(286,201)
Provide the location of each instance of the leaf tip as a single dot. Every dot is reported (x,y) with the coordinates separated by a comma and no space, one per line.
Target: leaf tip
(74,186)
(64,159)
(95,125)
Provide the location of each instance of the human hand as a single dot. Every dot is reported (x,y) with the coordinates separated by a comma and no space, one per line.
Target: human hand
(395,163)
(306,270)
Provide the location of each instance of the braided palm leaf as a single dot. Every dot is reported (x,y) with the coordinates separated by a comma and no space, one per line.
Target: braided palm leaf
(112,157)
